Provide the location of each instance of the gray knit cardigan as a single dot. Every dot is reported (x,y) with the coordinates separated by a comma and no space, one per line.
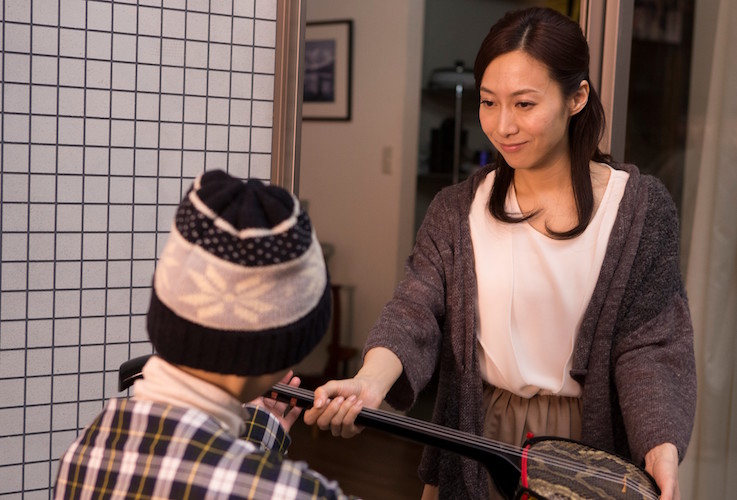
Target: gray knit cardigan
(633,354)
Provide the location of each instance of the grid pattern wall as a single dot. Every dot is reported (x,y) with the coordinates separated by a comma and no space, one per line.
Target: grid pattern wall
(109,109)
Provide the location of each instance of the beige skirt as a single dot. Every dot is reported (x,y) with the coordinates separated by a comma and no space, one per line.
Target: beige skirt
(509,418)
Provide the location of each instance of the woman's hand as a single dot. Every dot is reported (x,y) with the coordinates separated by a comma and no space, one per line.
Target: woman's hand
(662,463)
(338,403)
(286,414)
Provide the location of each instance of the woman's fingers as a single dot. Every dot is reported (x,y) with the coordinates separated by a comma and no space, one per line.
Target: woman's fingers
(324,398)
(329,390)
(336,406)
(341,415)
(353,411)
(338,425)
(336,420)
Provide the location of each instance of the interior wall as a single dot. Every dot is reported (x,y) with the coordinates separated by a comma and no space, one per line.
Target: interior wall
(358,177)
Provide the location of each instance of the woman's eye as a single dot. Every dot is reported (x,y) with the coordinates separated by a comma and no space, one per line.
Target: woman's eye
(525,104)
(487,103)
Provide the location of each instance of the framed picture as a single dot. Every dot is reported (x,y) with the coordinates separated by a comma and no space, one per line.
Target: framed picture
(327,75)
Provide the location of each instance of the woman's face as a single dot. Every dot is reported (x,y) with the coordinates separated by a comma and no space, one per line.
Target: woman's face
(524,113)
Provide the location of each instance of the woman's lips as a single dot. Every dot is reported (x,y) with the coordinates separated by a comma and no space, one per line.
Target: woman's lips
(511,148)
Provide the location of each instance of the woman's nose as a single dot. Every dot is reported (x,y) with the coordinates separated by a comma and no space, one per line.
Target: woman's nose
(507,124)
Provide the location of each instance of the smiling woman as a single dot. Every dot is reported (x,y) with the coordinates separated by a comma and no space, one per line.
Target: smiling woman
(539,288)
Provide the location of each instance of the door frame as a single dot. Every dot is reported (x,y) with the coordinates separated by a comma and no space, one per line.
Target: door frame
(607,25)
(288,75)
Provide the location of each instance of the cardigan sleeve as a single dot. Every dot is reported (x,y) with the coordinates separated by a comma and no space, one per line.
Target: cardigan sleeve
(411,323)
(653,352)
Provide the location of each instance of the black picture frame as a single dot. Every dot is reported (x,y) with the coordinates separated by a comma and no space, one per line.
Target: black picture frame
(328,71)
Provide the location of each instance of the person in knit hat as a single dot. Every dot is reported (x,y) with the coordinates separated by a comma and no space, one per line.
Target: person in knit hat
(240,294)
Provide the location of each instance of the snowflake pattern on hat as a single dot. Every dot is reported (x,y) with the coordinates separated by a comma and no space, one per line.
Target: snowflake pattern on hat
(216,296)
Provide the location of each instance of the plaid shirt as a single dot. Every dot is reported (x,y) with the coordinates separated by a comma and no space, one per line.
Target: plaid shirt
(141,449)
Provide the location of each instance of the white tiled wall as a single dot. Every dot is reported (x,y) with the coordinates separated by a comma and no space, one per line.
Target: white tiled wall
(109,109)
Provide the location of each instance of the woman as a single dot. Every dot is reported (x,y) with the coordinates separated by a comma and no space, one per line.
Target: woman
(545,290)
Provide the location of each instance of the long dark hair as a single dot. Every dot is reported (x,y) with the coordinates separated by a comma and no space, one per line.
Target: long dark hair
(558,42)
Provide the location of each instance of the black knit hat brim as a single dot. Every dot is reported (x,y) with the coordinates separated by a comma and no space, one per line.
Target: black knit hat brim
(245,353)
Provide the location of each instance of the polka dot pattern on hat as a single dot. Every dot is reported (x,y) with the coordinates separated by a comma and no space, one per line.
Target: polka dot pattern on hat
(257,251)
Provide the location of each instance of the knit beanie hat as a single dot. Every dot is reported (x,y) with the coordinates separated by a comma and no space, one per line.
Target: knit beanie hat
(241,286)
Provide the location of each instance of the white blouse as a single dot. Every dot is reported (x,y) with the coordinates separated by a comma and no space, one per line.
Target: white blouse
(533,291)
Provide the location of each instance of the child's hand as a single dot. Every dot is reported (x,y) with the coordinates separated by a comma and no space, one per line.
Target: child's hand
(286,413)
